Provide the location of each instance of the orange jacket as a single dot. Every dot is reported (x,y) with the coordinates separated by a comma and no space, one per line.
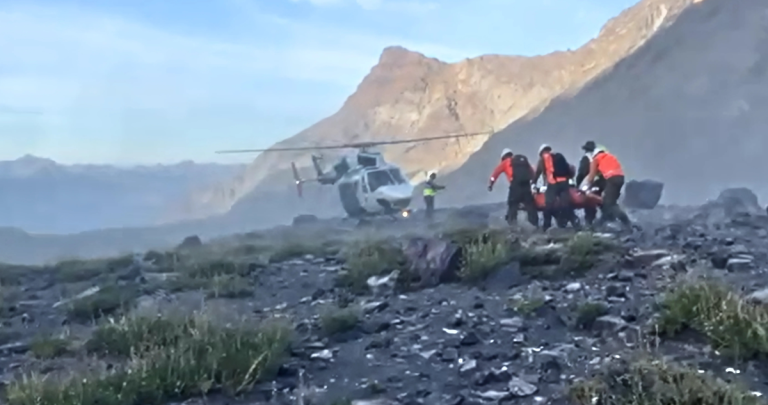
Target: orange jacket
(547,168)
(505,167)
(606,164)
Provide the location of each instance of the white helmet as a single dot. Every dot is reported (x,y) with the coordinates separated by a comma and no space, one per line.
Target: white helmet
(506,152)
(542,147)
(598,149)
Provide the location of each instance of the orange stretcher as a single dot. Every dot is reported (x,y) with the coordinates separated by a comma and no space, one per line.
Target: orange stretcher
(580,200)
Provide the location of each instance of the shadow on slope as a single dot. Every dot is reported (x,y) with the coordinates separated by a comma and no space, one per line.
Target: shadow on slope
(687,108)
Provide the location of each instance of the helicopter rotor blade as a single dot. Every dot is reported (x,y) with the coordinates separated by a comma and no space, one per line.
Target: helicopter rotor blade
(298,179)
(358,144)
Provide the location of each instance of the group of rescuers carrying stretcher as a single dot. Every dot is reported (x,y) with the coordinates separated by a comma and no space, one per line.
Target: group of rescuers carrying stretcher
(599,178)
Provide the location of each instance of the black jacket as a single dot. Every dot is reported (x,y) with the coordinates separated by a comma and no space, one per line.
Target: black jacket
(583,171)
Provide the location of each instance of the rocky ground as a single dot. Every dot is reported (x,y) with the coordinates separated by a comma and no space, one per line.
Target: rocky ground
(456,314)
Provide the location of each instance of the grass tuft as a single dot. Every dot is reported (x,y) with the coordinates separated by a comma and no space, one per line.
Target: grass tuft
(648,382)
(230,286)
(334,320)
(49,347)
(107,301)
(583,252)
(731,324)
(168,359)
(481,258)
(295,250)
(77,270)
(526,306)
(367,259)
(588,312)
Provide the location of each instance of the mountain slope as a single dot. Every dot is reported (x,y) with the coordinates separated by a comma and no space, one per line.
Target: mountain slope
(407,95)
(40,195)
(687,108)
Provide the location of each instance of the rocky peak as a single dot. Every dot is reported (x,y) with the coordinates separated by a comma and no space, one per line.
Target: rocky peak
(409,95)
(397,71)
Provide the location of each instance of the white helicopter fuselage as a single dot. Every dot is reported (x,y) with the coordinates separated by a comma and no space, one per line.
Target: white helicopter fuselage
(375,190)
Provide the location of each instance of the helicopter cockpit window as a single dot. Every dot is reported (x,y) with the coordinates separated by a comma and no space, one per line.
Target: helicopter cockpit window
(378,179)
(397,176)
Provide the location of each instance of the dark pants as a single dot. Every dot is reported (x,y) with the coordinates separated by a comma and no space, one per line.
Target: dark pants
(611,209)
(558,191)
(429,201)
(521,194)
(590,214)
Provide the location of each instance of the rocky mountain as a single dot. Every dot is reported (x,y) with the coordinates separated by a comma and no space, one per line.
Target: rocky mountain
(687,108)
(41,195)
(409,95)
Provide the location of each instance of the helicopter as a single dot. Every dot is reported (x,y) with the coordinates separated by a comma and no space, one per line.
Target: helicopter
(368,185)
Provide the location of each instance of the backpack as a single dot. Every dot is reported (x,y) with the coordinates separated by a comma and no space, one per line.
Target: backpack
(521,169)
(560,166)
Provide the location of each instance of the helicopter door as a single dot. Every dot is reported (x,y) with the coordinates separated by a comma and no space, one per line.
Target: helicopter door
(348,192)
(365,191)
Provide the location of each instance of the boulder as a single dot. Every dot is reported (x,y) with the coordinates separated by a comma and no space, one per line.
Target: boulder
(734,206)
(190,242)
(304,219)
(433,261)
(642,194)
(740,200)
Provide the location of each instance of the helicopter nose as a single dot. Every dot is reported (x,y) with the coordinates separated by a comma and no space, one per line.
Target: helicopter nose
(397,192)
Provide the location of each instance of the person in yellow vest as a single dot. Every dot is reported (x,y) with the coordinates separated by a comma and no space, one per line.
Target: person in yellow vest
(430,190)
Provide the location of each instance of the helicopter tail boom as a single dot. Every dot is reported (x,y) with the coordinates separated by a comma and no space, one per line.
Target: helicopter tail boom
(316,164)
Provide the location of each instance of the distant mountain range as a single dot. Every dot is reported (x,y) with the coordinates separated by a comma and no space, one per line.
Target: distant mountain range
(40,195)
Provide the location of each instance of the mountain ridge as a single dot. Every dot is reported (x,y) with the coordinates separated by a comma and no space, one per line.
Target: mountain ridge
(41,195)
(409,95)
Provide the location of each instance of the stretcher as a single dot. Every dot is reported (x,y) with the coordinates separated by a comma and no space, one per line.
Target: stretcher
(580,199)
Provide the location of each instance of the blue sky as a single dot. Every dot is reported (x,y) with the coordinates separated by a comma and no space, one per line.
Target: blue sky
(145,81)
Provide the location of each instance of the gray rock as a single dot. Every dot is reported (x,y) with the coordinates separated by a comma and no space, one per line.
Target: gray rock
(609,323)
(739,264)
(449,354)
(373,402)
(304,219)
(642,194)
(520,388)
(322,355)
(469,365)
(643,258)
(515,323)
(492,395)
(759,296)
(573,287)
(435,261)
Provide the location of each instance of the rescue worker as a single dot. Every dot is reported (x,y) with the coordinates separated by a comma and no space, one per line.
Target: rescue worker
(608,166)
(430,190)
(590,213)
(520,173)
(557,173)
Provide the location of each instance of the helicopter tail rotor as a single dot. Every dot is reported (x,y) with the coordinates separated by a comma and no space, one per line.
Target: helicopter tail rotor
(297,178)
